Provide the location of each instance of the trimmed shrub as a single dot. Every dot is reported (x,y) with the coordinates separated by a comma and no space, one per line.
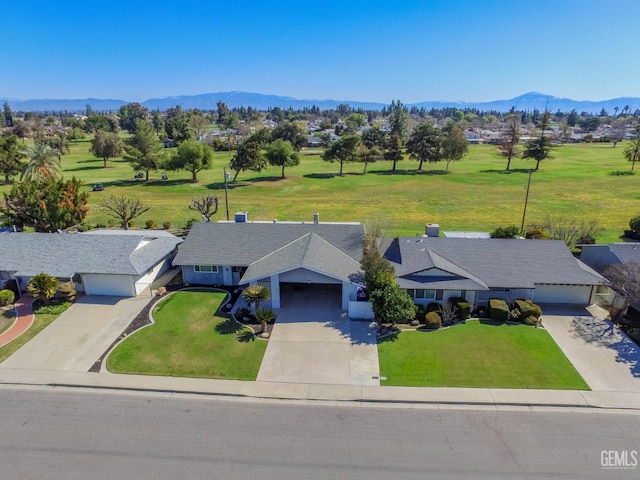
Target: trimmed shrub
(531,320)
(433,307)
(150,224)
(527,309)
(7,297)
(12,285)
(67,291)
(166,225)
(130,223)
(432,320)
(464,307)
(498,310)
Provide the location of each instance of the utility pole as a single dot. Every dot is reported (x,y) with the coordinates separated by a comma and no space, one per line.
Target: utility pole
(227,176)
(526,201)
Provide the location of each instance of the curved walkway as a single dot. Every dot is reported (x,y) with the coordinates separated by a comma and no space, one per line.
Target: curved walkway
(23,321)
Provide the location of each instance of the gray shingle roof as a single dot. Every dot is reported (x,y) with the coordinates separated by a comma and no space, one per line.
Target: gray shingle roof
(626,252)
(63,255)
(309,251)
(505,263)
(241,244)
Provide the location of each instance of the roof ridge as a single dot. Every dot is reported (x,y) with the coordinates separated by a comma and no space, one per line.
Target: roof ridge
(282,248)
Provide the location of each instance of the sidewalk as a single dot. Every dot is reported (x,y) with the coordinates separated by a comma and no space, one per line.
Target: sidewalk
(359,395)
(23,321)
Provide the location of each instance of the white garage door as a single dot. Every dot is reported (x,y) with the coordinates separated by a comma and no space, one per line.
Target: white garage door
(568,294)
(114,285)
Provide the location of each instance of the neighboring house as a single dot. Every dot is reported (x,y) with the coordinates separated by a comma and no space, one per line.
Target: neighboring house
(274,254)
(599,257)
(100,262)
(433,269)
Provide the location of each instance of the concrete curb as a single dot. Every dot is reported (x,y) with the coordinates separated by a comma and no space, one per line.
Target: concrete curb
(350,394)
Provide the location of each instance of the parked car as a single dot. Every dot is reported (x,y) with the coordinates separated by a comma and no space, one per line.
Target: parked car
(98,187)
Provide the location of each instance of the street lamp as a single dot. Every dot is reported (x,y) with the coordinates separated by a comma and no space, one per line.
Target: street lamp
(227,176)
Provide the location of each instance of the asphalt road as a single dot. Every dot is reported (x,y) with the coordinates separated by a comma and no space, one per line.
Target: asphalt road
(47,434)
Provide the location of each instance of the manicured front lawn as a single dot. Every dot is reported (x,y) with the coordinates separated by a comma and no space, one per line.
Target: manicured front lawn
(478,354)
(7,317)
(188,340)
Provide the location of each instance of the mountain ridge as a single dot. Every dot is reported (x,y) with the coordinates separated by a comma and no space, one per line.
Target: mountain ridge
(259,101)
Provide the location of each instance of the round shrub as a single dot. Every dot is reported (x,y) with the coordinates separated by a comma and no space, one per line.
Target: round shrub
(433,320)
(7,297)
(166,225)
(150,224)
(531,320)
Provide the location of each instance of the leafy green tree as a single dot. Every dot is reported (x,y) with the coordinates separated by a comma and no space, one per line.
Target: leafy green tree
(374,137)
(60,144)
(392,304)
(632,152)
(177,126)
(454,144)
(10,156)
(539,148)
(143,149)
(280,153)
(76,134)
(129,113)
(41,164)
(198,122)
(42,286)
(46,205)
(248,157)
(292,132)
(8,116)
(355,121)
(378,272)
(368,155)
(124,208)
(425,144)
(345,150)
(393,151)
(509,146)
(106,145)
(256,295)
(589,124)
(193,157)
(223,112)
(399,120)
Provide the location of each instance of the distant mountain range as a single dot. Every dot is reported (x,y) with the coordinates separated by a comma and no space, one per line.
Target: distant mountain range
(208,101)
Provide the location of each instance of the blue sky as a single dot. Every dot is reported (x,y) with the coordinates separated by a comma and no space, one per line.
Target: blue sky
(468,50)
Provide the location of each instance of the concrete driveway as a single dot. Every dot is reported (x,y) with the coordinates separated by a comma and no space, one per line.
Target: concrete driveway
(606,358)
(76,339)
(313,341)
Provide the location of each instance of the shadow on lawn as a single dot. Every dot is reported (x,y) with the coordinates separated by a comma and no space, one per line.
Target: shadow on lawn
(228,327)
(507,172)
(605,334)
(411,172)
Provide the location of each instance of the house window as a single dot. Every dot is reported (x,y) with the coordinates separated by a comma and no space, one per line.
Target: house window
(439,294)
(205,268)
(503,290)
(420,293)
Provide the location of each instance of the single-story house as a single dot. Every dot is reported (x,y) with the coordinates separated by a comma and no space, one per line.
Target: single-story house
(100,262)
(433,269)
(274,254)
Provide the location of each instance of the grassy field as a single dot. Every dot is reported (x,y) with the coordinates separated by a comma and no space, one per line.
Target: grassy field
(41,321)
(478,354)
(475,195)
(188,340)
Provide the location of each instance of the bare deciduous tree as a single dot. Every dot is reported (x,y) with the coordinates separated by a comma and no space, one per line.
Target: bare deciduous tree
(449,313)
(571,231)
(206,205)
(124,209)
(625,279)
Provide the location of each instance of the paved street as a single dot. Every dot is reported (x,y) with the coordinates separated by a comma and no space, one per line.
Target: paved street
(107,435)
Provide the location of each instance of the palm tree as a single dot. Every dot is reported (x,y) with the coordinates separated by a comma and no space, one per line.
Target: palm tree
(41,164)
(42,286)
(255,295)
(632,152)
(265,315)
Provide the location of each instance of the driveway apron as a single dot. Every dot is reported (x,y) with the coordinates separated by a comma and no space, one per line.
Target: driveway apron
(76,339)
(313,341)
(606,358)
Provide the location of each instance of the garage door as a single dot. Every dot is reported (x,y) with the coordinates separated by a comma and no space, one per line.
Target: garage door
(113,285)
(567,294)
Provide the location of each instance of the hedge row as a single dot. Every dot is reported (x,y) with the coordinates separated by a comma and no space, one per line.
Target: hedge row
(527,309)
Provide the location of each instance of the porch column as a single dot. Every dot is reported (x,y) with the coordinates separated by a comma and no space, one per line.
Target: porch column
(275,291)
